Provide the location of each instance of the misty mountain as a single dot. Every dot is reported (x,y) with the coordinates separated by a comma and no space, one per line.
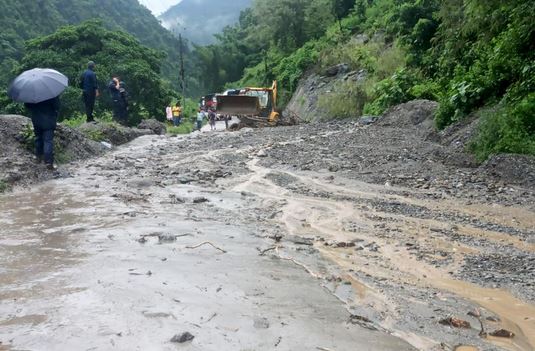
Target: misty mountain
(199,20)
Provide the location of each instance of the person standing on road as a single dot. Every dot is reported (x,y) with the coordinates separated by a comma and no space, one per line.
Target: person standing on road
(44,118)
(200,118)
(89,86)
(211,119)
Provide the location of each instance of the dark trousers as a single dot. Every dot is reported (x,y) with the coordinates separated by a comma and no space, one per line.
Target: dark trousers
(123,107)
(120,111)
(44,144)
(177,121)
(89,102)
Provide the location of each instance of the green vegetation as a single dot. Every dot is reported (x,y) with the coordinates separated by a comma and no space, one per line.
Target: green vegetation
(74,122)
(3,186)
(95,135)
(509,129)
(185,127)
(27,138)
(465,54)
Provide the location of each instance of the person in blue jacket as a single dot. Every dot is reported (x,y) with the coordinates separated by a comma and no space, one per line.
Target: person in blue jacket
(44,118)
(89,86)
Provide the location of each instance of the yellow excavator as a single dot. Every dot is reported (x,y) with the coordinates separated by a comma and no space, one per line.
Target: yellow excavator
(255,107)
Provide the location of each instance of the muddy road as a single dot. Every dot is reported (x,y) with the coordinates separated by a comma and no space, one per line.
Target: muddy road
(296,238)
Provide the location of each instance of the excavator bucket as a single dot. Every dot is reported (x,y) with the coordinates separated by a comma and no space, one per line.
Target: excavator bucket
(238,105)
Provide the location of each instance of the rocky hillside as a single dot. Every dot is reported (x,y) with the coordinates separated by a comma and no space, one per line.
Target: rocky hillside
(305,101)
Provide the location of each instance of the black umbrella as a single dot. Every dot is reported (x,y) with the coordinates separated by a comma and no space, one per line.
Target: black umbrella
(38,84)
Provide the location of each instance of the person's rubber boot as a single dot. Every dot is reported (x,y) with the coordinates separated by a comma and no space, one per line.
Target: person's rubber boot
(50,167)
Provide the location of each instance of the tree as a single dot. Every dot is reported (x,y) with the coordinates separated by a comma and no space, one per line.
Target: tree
(341,9)
(70,48)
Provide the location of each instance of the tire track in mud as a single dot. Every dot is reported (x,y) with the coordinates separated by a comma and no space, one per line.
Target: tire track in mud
(320,211)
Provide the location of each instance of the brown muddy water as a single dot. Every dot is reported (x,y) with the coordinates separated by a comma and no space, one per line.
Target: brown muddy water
(308,216)
(112,258)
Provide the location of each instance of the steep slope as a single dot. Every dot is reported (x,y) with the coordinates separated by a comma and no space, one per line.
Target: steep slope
(23,20)
(199,20)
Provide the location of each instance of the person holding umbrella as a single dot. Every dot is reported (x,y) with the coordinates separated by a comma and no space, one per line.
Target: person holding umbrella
(39,90)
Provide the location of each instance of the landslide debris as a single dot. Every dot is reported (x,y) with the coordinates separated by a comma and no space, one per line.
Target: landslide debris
(17,163)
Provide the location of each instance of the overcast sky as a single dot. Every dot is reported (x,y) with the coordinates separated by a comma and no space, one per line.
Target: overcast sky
(159,6)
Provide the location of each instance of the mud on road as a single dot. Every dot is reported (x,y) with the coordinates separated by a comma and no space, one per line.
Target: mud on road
(316,237)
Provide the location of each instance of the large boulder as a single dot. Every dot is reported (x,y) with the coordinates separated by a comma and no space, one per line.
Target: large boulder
(153,125)
(417,115)
(113,133)
(338,69)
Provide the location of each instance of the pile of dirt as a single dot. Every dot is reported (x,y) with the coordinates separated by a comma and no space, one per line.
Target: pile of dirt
(516,169)
(416,115)
(17,163)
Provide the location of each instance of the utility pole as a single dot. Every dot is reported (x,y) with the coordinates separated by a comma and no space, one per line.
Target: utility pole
(267,73)
(182,75)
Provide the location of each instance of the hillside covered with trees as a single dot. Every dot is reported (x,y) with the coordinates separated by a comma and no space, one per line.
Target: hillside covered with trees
(468,55)
(24,20)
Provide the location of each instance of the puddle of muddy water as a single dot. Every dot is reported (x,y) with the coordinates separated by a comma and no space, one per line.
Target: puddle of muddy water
(299,209)
(29,319)
(466,348)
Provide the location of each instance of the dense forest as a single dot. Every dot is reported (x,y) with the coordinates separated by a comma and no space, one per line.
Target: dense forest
(469,55)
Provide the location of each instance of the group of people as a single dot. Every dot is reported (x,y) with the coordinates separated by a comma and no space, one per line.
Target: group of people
(211,116)
(174,114)
(45,114)
(90,92)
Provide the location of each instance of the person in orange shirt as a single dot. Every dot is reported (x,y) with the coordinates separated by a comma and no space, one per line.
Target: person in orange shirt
(177,114)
